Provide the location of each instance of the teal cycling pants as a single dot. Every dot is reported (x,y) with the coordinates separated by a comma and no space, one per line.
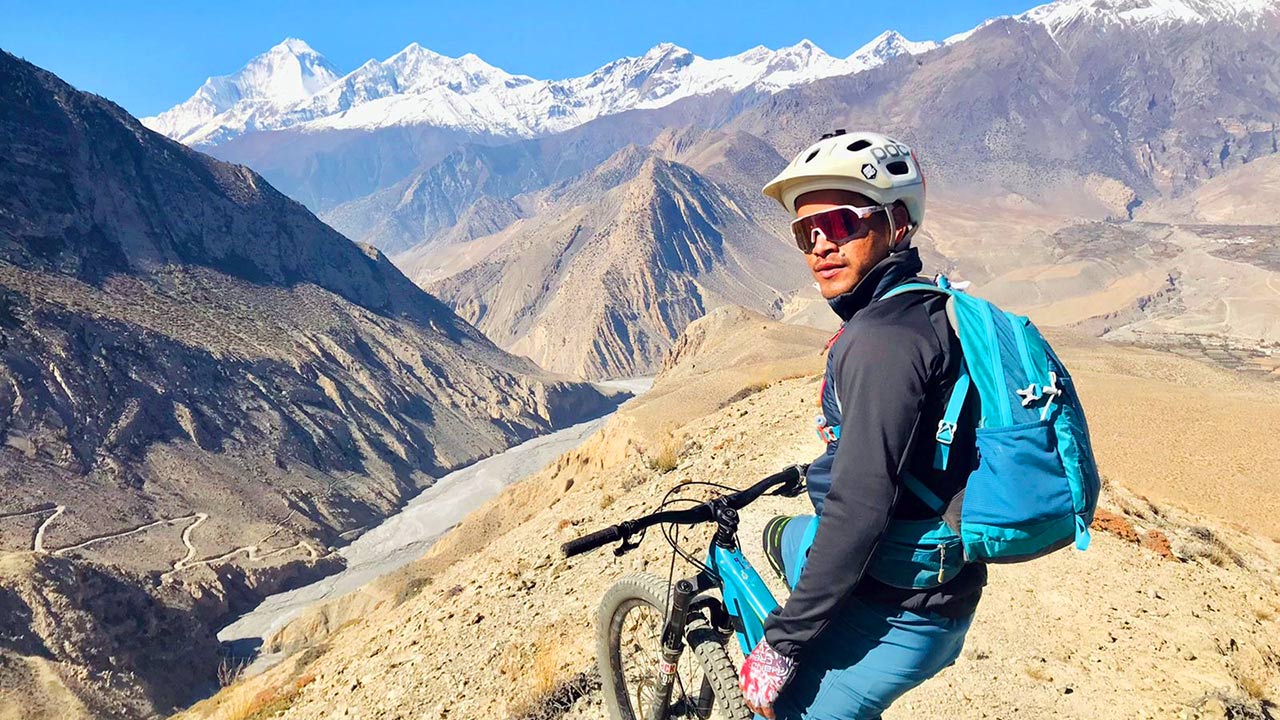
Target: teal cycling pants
(868,657)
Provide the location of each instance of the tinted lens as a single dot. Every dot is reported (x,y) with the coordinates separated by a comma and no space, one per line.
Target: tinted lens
(839,225)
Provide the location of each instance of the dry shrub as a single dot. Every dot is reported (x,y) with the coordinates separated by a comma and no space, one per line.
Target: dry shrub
(412,589)
(265,703)
(666,457)
(633,479)
(1204,543)
(1134,505)
(535,669)
(606,500)
(235,707)
(562,698)
(1035,672)
(229,670)
(1252,687)
(751,389)
(1235,706)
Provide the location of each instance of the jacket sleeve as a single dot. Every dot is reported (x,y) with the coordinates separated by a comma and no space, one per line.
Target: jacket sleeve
(881,374)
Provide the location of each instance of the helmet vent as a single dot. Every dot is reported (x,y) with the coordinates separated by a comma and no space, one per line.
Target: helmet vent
(859,145)
(812,155)
(898,167)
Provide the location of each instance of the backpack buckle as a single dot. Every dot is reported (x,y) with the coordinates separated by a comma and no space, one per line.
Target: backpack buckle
(1050,393)
(946,432)
(827,433)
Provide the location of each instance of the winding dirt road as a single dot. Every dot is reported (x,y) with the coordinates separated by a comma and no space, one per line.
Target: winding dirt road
(253,553)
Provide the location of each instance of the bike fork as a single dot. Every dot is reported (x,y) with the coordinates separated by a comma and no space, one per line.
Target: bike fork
(672,647)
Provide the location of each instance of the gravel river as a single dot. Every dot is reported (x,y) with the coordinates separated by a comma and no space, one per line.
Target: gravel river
(406,536)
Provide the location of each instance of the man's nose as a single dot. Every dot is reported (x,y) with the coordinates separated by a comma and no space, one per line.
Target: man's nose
(821,243)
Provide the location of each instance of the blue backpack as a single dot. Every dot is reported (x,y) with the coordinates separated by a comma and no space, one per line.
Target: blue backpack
(1035,484)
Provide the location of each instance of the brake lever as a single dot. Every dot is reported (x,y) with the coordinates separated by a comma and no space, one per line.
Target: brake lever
(790,491)
(625,546)
(793,489)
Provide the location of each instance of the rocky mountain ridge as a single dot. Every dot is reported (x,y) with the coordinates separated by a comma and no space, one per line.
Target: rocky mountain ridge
(615,263)
(203,388)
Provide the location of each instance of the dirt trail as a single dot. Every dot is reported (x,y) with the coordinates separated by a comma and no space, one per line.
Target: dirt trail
(38,544)
(252,552)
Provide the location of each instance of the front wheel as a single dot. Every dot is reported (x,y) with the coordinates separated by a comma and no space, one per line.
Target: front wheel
(629,650)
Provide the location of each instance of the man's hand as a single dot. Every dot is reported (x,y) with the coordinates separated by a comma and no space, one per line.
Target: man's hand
(764,674)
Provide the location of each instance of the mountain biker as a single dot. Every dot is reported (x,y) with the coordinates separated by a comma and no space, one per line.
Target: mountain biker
(846,645)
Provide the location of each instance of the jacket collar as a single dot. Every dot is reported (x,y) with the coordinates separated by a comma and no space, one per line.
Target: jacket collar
(890,272)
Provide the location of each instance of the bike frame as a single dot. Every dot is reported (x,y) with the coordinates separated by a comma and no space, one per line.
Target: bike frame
(746,598)
(746,603)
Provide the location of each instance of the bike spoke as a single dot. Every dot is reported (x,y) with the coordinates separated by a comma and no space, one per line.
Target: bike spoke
(641,642)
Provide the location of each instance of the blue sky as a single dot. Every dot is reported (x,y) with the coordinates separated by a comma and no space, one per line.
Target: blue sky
(148,56)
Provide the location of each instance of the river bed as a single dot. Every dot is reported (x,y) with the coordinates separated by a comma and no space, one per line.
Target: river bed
(406,536)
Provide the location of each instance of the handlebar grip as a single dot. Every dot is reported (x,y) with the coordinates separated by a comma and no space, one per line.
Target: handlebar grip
(590,542)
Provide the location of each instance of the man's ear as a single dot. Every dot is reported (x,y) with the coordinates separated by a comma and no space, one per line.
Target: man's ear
(901,222)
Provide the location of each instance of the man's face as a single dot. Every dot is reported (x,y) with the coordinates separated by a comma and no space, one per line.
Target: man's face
(838,268)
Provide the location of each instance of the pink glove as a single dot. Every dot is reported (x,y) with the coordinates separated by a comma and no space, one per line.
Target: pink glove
(764,674)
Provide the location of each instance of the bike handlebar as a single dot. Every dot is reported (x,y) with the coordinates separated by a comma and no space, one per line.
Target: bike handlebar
(592,541)
(689,516)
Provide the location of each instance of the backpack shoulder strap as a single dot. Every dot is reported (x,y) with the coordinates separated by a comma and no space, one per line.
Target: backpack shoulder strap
(946,431)
(915,287)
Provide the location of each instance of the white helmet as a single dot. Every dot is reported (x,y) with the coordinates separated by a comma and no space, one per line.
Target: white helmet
(869,163)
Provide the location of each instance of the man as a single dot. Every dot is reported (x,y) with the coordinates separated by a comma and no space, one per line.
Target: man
(846,645)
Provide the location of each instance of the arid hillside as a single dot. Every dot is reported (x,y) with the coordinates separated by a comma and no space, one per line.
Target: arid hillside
(1171,614)
(203,390)
(609,267)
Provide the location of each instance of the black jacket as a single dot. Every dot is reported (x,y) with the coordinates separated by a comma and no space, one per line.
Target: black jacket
(889,373)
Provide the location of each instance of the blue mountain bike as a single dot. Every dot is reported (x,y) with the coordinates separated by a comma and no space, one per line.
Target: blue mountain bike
(645,623)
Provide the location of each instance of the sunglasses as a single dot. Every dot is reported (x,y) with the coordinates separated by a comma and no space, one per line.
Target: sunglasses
(840,225)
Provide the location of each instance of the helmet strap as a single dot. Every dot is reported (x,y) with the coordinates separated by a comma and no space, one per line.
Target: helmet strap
(895,245)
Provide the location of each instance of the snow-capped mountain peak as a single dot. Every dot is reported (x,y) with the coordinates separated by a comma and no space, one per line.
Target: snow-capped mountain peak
(293,46)
(416,68)
(663,50)
(754,55)
(885,46)
(1063,14)
(805,46)
(291,85)
(288,72)
(803,53)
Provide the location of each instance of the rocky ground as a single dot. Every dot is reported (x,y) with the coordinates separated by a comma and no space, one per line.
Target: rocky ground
(1171,613)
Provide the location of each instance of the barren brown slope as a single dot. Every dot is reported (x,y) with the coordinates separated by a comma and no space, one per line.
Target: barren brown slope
(613,266)
(1246,195)
(1012,109)
(1211,290)
(494,620)
(202,384)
